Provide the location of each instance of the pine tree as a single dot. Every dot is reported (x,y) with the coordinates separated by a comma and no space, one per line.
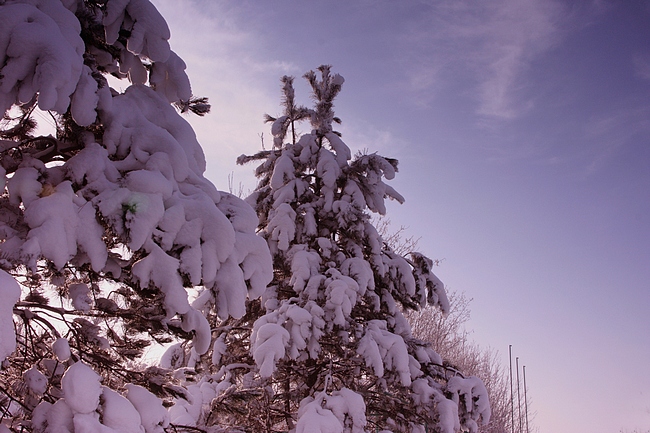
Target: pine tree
(111,239)
(333,350)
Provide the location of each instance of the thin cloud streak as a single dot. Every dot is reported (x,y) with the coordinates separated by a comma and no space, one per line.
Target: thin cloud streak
(495,42)
(642,66)
(608,134)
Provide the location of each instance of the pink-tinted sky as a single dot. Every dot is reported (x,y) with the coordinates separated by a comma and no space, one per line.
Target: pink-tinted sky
(523,133)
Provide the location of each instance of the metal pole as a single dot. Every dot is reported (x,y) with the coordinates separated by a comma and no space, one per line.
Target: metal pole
(526,400)
(512,398)
(518,394)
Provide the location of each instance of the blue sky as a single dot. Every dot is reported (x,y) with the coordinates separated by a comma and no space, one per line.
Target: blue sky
(523,133)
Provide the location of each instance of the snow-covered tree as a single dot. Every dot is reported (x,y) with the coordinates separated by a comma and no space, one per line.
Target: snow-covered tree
(111,239)
(332,349)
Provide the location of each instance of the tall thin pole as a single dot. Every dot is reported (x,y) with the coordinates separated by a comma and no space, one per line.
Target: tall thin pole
(526,400)
(512,398)
(518,394)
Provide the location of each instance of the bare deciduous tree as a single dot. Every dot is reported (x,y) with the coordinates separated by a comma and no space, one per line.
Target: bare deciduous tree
(450,338)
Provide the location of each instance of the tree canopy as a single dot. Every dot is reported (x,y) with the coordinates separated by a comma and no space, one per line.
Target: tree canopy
(111,237)
(139,298)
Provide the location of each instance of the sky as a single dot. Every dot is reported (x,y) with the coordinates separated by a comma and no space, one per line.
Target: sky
(522,128)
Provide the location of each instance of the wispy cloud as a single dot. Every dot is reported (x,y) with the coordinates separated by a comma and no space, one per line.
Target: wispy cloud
(642,66)
(364,137)
(491,43)
(606,135)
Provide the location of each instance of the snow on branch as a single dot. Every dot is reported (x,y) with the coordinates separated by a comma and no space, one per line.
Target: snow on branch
(112,241)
